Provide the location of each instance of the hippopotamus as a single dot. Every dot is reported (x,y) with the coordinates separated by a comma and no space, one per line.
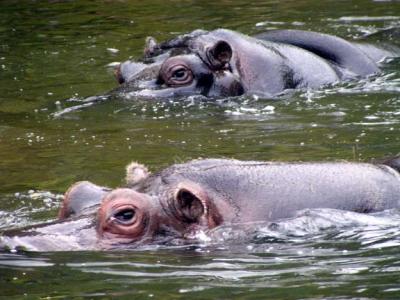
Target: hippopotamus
(204,194)
(222,63)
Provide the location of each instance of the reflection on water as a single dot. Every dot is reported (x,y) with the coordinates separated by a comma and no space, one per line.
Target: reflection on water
(55,54)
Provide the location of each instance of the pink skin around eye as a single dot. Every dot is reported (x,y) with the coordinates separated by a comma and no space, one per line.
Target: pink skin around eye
(124,213)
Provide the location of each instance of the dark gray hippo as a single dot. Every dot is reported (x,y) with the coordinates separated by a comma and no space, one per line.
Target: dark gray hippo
(227,63)
(203,194)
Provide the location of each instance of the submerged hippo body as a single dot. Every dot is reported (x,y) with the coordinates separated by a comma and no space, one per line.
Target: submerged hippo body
(226,63)
(203,194)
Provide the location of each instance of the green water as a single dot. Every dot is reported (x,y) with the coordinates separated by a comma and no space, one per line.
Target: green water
(52,52)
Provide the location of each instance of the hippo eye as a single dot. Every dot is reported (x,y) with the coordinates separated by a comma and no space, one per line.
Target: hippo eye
(125,216)
(178,75)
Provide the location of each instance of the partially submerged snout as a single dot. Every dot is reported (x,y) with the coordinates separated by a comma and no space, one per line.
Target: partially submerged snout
(92,217)
(130,71)
(83,197)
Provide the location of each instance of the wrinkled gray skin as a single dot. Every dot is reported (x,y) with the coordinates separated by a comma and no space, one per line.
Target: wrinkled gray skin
(236,191)
(203,194)
(226,63)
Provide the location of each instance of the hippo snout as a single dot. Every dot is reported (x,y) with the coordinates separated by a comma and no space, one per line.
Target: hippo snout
(130,71)
(82,197)
(127,70)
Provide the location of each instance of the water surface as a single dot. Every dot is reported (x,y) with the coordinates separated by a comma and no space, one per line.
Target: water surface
(53,54)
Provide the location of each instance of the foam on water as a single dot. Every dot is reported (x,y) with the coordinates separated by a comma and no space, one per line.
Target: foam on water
(315,224)
(30,204)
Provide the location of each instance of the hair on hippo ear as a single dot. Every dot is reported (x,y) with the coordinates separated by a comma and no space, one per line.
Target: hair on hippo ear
(190,205)
(151,46)
(136,175)
(219,55)
(191,202)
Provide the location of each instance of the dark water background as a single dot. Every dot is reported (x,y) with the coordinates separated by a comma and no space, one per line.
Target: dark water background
(55,53)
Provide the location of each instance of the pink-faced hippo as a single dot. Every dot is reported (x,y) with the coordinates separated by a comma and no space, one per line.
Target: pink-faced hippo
(227,63)
(204,194)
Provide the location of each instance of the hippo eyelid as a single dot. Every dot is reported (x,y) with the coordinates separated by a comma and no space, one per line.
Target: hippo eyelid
(175,72)
(179,75)
(112,215)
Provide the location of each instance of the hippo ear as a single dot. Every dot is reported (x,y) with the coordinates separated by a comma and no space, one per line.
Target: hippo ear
(219,55)
(190,202)
(151,46)
(136,175)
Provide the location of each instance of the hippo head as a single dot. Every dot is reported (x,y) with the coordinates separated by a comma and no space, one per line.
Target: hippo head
(193,64)
(148,211)
(95,218)
(126,216)
(184,205)
(121,217)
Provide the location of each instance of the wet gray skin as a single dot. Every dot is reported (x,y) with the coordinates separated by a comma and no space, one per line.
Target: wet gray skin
(215,191)
(227,63)
(203,194)
(74,230)
(93,218)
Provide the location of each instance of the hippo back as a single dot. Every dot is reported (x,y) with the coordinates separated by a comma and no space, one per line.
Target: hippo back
(351,56)
(260,191)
